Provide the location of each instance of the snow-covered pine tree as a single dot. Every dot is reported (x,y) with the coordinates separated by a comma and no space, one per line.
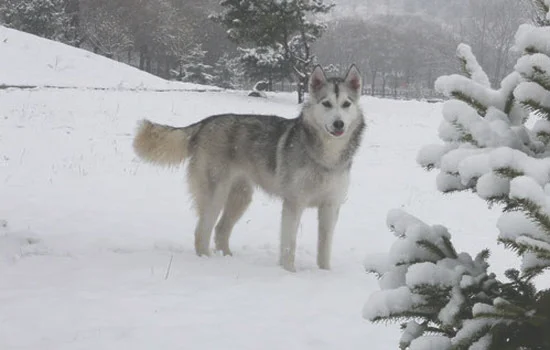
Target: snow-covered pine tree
(264,63)
(450,300)
(286,26)
(194,70)
(228,72)
(46,18)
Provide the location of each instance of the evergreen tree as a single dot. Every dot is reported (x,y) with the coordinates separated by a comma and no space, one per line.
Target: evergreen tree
(264,64)
(228,72)
(450,300)
(45,18)
(279,26)
(194,70)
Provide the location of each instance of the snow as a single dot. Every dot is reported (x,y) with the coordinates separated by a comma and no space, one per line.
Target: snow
(490,185)
(451,312)
(412,331)
(529,36)
(449,84)
(532,260)
(390,302)
(524,187)
(541,126)
(483,343)
(432,342)
(513,224)
(526,64)
(532,91)
(89,232)
(472,327)
(28,60)
(536,244)
(472,66)
(430,273)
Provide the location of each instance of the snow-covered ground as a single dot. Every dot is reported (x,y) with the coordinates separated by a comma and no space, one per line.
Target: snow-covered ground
(27,60)
(96,249)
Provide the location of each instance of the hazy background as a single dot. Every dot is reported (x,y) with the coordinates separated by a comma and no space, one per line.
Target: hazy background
(401,46)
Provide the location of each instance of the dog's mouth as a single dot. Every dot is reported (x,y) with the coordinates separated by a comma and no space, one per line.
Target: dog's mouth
(336,133)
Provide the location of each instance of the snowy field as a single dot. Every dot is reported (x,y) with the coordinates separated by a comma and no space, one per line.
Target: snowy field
(87,232)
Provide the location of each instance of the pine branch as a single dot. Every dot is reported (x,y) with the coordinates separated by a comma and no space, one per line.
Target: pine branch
(536,108)
(465,343)
(531,209)
(509,103)
(431,247)
(375,272)
(498,316)
(412,262)
(534,271)
(436,295)
(539,251)
(541,10)
(483,255)
(511,245)
(464,67)
(520,290)
(450,248)
(541,6)
(404,316)
(508,173)
(440,331)
(544,137)
(429,167)
(465,136)
(478,106)
(531,50)
(491,201)
(540,77)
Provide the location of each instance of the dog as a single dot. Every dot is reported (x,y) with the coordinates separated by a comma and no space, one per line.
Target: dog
(305,161)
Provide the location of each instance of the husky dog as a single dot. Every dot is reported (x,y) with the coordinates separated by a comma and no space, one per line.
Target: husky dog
(305,161)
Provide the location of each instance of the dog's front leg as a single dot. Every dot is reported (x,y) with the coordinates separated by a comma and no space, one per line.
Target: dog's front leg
(328,215)
(292,212)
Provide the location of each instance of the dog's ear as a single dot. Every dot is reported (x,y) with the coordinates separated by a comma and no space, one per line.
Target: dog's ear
(353,79)
(317,79)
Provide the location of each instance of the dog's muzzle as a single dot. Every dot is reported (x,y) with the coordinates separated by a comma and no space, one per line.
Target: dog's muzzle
(337,128)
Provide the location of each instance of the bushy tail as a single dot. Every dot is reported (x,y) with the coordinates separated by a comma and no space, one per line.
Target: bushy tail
(161,144)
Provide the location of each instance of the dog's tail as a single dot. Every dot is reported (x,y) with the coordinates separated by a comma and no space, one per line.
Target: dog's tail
(161,144)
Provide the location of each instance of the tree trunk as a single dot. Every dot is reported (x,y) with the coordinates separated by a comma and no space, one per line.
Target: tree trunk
(148,63)
(373,83)
(167,66)
(142,57)
(302,83)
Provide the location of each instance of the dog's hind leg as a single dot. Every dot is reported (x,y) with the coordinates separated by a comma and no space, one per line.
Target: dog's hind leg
(238,200)
(210,191)
(292,213)
(208,216)
(328,215)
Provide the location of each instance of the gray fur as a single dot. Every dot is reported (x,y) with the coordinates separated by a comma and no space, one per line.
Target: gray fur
(303,161)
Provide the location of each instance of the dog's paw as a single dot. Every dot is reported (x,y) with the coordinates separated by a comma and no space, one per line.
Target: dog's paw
(323,264)
(227,252)
(224,250)
(288,266)
(203,253)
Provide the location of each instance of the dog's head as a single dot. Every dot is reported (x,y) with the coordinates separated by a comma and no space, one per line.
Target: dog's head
(333,104)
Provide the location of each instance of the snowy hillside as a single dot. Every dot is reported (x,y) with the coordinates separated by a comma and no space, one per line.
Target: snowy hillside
(26,59)
(96,248)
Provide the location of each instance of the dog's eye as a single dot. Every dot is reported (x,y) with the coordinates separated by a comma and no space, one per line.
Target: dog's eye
(346,104)
(327,104)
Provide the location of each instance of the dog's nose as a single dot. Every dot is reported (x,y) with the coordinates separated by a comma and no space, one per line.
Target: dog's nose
(338,125)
